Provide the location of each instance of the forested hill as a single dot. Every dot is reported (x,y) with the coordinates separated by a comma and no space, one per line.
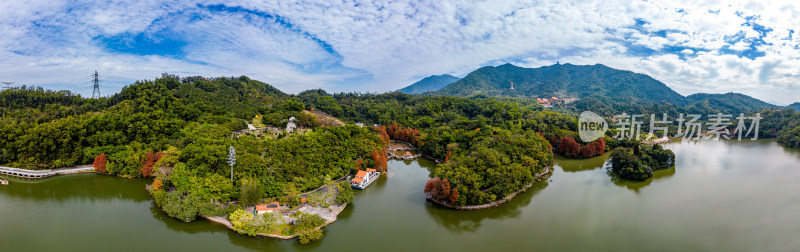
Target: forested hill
(795,106)
(430,83)
(726,102)
(565,80)
(178,130)
(49,129)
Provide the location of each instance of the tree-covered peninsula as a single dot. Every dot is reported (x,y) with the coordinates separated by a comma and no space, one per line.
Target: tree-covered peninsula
(219,146)
(180,133)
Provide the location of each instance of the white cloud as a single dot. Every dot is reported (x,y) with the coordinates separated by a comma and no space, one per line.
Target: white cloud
(380,46)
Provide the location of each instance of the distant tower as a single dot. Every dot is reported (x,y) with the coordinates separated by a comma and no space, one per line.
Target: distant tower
(96,86)
(512,85)
(558,58)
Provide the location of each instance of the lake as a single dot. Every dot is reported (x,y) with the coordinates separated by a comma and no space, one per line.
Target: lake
(719,196)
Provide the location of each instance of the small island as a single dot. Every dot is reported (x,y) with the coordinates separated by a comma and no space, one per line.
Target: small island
(638,162)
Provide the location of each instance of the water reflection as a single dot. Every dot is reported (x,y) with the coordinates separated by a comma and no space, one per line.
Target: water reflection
(470,221)
(578,165)
(727,196)
(197,226)
(602,161)
(635,185)
(65,188)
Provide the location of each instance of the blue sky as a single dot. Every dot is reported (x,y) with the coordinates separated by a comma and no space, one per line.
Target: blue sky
(747,47)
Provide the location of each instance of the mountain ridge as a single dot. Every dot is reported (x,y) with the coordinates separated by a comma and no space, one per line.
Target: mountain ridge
(795,106)
(584,81)
(567,80)
(430,83)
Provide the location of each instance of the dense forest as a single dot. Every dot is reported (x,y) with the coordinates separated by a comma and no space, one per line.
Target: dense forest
(784,125)
(639,162)
(490,146)
(179,130)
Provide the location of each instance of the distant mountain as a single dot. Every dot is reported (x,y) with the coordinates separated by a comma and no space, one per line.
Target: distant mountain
(563,81)
(795,106)
(731,102)
(430,83)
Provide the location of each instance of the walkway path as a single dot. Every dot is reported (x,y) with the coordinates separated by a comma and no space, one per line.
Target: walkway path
(44,173)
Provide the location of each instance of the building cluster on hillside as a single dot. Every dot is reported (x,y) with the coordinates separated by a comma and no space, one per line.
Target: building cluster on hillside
(549,102)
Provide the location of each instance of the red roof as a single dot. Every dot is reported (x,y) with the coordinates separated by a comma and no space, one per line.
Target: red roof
(370,170)
(361,174)
(358,180)
(271,206)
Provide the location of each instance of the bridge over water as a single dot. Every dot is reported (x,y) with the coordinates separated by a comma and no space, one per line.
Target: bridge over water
(24,173)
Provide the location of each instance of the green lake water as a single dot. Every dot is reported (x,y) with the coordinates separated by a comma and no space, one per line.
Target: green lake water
(734,196)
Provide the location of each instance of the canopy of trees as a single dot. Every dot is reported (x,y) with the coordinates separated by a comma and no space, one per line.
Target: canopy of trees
(638,163)
(568,147)
(782,124)
(178,130)
(491,164)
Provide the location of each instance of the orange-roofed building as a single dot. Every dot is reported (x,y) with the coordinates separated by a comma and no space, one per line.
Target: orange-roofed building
(263,208)
(364,178)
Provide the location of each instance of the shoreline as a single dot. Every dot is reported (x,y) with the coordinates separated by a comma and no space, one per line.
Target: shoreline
(223,220)
(543,175)
(334,210)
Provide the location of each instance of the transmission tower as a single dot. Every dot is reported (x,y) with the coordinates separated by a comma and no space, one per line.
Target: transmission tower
(8,84)
(96,86)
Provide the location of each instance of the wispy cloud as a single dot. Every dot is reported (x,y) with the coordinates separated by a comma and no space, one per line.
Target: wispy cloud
(379,46)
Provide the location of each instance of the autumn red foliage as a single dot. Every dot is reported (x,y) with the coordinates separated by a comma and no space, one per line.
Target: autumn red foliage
(157,184)
(429,185)
(409,135)
(147,168)
(380,160)
(384,136)
(454,196)
(567,146)
(439,189)
(100,163)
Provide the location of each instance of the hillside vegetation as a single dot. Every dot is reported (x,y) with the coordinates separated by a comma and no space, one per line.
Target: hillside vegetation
(599,87)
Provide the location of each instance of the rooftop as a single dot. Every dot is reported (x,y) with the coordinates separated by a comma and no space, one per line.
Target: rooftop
(271,206)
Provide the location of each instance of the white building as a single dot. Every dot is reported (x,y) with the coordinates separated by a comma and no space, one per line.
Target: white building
(291,126)
(364,178)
